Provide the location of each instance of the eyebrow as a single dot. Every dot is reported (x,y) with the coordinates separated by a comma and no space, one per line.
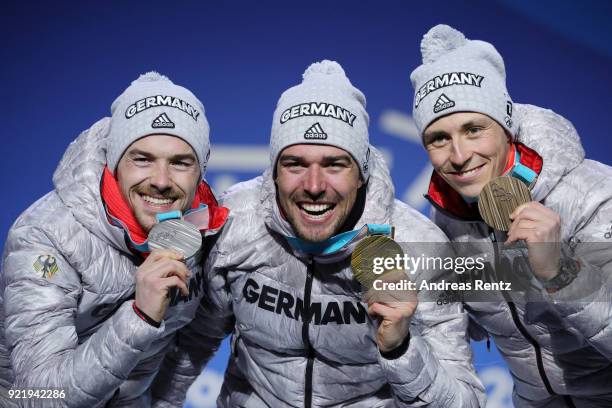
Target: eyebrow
(429,136)
(138,152)
(286,157)
(181,157)
(176,157)
(470,124)
(326,159)
(339,158)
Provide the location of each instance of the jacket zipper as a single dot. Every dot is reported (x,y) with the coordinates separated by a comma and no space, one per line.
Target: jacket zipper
(306,323)
(521,328)
(519,324)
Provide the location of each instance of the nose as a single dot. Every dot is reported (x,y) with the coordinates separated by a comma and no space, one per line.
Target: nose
(314,183)
(160,178)
(459,154)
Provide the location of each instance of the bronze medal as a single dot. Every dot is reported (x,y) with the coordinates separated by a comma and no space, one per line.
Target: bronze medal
(499,198)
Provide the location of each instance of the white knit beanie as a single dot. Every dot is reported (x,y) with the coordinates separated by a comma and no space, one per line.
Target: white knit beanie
(459,75)
(152,104)
(324,109)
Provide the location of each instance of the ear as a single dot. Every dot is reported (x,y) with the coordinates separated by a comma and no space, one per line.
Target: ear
(360,181)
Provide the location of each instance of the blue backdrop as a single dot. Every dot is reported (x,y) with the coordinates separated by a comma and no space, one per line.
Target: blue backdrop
(63,63)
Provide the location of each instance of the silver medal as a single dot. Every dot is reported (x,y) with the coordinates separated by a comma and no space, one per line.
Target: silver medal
(177,235)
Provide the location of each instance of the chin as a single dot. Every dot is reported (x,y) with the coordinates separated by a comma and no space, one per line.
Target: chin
(148,227)
(313,236)
(472,193)
(469,191)
(146,223)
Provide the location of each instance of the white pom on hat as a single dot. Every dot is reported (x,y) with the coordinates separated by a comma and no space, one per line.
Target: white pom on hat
(151,76)
(325,67)
(439,40)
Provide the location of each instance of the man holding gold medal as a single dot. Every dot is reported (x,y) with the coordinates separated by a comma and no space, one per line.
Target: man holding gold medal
(513,178)
(280,279)
(99,274)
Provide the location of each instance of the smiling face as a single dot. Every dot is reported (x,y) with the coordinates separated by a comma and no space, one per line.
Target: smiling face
(467,149)
(157,174)
(317,188)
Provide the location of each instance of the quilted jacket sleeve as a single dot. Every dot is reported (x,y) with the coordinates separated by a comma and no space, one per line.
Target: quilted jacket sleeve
(41,294)
(586,303)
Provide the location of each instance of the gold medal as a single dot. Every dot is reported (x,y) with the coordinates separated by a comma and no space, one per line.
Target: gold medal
(363,258)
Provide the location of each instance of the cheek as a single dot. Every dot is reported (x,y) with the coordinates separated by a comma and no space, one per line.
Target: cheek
(189,183)
(489,151)
(129,176)
(125,184)
(437,158)
(347,190)
(286,184)
(492,146)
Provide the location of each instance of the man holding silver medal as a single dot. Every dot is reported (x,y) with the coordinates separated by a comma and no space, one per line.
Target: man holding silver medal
(514,179)
(280,276)
(100,274)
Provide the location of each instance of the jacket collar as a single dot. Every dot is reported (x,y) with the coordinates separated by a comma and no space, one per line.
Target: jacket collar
(442,196)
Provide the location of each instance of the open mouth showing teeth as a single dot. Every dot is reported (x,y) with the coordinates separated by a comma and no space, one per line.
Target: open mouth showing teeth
(156,201)
(316,210)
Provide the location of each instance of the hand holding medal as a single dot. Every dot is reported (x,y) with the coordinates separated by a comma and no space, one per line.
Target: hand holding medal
(393,309)
(172,240)
(505,204)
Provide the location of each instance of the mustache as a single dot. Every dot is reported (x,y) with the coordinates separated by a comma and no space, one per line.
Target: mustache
(169,193)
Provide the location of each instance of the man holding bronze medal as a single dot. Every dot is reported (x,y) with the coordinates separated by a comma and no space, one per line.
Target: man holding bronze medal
(99,274)
(280,276)
(513,178)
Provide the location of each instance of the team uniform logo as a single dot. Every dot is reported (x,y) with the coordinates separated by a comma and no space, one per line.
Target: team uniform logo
(46,266)
(443,102)
(278,301)
(318,109)
(315,132)
(444,80)
(365,164)
(508,118)
(162,121)
(161,100)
